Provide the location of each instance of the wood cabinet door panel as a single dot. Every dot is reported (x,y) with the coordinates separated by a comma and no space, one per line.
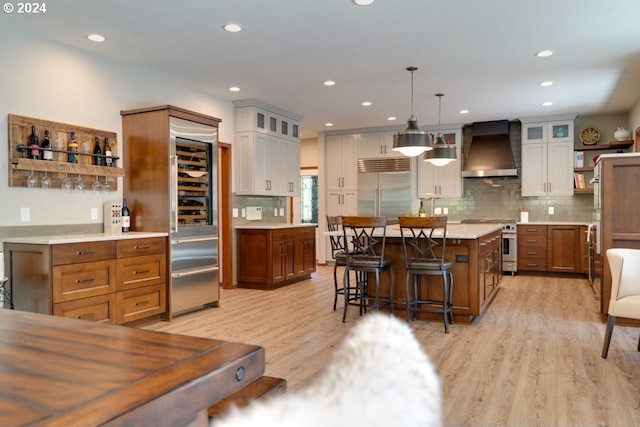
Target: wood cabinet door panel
(101,309)
(73,253)
(141,271)
(563,248)
(88,279)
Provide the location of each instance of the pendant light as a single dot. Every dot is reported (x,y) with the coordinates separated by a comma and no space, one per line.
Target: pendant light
(412,141)
(442,153)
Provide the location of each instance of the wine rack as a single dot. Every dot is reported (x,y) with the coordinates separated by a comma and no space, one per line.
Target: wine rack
(194,192)
(20,167)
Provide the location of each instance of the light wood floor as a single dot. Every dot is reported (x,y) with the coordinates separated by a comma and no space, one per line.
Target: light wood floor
(532,359)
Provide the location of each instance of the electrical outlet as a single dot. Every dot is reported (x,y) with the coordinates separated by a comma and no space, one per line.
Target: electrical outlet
(25,214)
(437,211)
(445,211)
(243,212)
(551,210)
(94,213)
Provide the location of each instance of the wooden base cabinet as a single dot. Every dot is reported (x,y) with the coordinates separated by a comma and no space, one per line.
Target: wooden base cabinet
(113,281)
(270,258)
(549,248)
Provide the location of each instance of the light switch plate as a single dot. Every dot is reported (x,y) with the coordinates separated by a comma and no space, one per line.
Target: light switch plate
(437,211)
(281,211)
(551,210)
(25,214)
(254,213)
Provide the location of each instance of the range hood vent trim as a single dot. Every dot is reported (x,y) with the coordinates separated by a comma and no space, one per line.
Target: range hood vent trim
(490,153)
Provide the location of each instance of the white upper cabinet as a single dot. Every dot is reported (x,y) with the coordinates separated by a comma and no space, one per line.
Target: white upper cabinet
(442,181)
(266,150)
(547,157)
(376,144)
(342,162)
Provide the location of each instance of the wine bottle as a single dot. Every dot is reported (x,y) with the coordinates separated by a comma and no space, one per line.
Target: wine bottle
(34,146)
(107,153)
(421,210)
(47,154)
(73,148)
(126,217)
(97,153)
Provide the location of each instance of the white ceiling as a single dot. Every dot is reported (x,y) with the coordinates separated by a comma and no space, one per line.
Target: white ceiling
(480,53)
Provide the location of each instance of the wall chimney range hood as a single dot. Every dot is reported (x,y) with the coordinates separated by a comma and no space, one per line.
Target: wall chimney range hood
(490,153)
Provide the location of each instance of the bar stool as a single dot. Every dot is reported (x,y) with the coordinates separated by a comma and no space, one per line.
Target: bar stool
(422,239)
(338,253)
(367,236)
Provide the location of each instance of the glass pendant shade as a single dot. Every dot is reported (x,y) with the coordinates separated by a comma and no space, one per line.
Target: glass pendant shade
(412,141)
(442,153)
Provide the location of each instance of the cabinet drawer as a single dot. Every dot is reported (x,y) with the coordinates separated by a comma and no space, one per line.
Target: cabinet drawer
(141,271)
(137,247)
(88,279)
(136,304)
(532,264)
(100,309)
(532,250)
(306,232)
(526,230)
(72,253)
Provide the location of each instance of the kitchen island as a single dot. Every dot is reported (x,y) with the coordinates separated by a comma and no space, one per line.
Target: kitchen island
(274,255)
(476,253)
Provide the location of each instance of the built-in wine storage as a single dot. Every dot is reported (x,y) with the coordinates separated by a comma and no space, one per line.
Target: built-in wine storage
(194,182)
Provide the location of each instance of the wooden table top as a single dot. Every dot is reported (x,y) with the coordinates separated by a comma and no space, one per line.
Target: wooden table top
(56,371)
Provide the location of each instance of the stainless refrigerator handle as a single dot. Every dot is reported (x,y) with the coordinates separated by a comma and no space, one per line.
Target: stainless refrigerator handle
(174,194)
(193,272)
(193,239)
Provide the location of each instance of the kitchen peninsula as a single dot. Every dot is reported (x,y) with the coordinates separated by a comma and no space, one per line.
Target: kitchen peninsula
(474,250)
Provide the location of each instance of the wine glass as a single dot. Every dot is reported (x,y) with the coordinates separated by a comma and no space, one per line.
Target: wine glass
(32,180)
(106,187)
(97,185)
(79,184)
(45,181)
(66,184)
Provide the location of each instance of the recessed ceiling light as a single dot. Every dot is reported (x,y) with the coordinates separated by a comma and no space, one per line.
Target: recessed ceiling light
(234,89)
(362,2)
(391,118)
(547,104)
(463,111)
(329,83)
(96,38)
(329,124)
(366,104)
(232,28)
(545,84)
(544,53)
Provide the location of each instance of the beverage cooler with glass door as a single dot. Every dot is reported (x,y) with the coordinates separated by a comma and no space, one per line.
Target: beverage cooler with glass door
(170,182)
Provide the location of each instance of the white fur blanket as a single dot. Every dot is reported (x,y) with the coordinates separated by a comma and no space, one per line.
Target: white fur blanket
(378,376)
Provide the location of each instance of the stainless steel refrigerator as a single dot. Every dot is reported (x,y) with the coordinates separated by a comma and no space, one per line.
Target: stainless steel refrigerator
(384,187)
(194,216)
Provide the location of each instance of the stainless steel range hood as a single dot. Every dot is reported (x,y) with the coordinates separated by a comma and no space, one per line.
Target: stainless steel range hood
(490,153)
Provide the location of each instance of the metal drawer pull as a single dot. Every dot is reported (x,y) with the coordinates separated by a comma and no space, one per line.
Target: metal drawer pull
(85,252)
(92,279)
(193,240)
(141,271)
(142,302)
(187,273)
(87,316)
(143,247)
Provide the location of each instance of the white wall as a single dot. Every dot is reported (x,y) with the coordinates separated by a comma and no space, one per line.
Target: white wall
(49,81)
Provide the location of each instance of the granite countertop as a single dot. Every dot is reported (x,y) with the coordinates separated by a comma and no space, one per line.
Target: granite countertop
(263,226)
(454,231)
(80,238)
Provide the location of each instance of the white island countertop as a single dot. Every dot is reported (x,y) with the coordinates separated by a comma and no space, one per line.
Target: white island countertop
(454,230)
(263,226)
(80,238)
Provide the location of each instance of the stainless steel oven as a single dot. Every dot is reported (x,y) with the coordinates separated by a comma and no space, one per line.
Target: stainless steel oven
(510,248)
